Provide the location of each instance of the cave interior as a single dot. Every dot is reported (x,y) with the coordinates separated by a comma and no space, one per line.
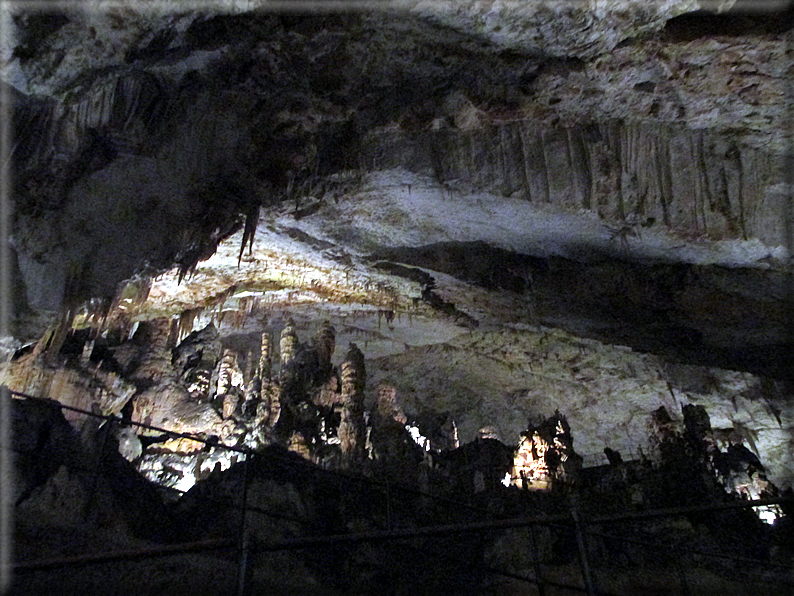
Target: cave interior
(398,297)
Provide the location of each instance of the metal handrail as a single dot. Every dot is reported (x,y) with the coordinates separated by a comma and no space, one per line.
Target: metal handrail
(391,534)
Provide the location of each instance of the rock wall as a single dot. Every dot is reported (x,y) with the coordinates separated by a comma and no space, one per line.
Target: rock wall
(698,182)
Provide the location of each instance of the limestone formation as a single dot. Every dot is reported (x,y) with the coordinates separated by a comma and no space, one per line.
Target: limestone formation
(387,406)
(130,446)
(289,345)
(690,447)
(196,358)
(665,437)
(300,445)
(171,407)
(265,357)
(325,342)
(354,375)
(155,364)
(229,373)
(229,405)
(489,432)
(583,205)
(352,429)
(73,385)
(545,458)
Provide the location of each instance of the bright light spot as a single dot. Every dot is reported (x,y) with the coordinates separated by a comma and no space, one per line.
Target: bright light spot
(186,483)
(420,440)
(506,479)
(220,459)
(768,513)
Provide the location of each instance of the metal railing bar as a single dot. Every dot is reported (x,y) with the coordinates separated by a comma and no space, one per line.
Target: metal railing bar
(144,553)
(315,468)
(684,548)
(672,511)
(170,433)
(299,543)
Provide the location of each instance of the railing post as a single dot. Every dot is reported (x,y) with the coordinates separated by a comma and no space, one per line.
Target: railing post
(682,574)
(388,505)
(244,543)
(587,575)
(536,562)
(99,462)
(6,507)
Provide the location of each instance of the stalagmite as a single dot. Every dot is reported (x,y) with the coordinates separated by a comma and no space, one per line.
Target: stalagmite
(325,342)
(229,405)
(545,458)
(387,406)
(352,430)
(229,373)
(298,444)
(288,345)
(265,357)
(354,376)
(196,359)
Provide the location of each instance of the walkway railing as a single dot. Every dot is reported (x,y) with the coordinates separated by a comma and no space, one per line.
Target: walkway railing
(573,521)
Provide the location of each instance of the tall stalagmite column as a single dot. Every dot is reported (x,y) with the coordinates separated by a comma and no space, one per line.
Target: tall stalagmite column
(269,408)
(288,346)
(325,342)
(352,429)
(265,357)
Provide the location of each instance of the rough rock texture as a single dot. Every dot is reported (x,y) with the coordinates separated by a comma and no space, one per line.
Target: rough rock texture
(697,182)
(545,458)
(512,208)
(76,386)
(211,117)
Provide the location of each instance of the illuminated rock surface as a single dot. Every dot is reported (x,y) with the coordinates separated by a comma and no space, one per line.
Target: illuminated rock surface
(387,244)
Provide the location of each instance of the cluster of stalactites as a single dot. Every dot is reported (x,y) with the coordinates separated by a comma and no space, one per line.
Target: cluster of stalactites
(545,458)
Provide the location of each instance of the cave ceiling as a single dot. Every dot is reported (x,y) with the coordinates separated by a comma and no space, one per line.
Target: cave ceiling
(511,208)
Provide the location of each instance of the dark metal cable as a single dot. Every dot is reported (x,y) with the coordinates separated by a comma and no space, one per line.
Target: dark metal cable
(248,451)
(688,550)
(170,433)
(141,553)
(372,536)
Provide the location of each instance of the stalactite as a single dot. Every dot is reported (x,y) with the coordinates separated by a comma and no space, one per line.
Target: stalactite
(187,320)
(249,232)
(623,169)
